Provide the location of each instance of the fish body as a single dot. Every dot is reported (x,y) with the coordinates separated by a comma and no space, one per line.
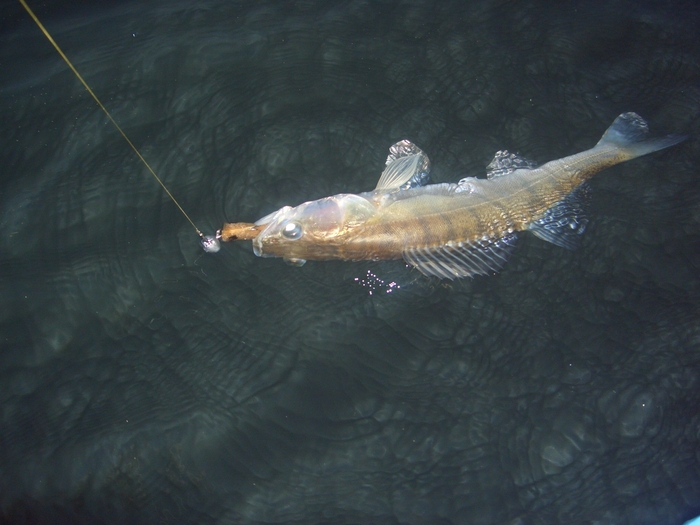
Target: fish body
(453,230)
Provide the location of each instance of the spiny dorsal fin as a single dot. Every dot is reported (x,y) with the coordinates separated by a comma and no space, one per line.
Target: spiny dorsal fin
(467,259)
(505,163)
(406,167)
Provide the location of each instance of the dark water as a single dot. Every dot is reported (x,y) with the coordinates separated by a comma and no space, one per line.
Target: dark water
(143,381)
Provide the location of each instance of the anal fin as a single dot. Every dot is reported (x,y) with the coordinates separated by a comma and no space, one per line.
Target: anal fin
(565,222)
(454,260)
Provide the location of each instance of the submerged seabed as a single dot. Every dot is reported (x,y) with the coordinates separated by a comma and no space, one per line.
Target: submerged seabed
(142,381)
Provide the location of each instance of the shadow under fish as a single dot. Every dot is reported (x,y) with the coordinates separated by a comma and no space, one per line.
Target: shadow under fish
(449,230)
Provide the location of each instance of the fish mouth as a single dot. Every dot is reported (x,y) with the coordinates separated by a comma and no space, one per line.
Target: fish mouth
(268,241)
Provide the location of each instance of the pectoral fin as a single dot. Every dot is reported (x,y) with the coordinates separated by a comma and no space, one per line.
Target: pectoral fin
(406,167)
(455,260)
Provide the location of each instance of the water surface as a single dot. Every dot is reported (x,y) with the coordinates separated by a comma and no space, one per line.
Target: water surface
(143,381)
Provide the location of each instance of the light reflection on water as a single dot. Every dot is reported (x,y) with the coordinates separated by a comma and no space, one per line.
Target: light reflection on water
(373,283)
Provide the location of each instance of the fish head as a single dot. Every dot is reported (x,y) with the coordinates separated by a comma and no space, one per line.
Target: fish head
(312,230)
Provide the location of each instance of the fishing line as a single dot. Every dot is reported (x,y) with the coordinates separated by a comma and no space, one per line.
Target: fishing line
(210,243)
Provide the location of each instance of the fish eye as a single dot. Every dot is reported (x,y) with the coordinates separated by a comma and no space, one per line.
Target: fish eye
(292,230)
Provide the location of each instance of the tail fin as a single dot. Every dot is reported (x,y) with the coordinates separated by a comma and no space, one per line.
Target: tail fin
(629,132)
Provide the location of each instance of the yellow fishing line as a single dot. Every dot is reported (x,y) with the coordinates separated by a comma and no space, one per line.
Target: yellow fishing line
(70,65)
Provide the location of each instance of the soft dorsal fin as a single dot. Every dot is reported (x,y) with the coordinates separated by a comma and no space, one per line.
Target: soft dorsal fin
(505,163)
(466,259)
(406,167)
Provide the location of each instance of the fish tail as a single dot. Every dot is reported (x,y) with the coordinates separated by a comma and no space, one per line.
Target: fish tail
(629,133)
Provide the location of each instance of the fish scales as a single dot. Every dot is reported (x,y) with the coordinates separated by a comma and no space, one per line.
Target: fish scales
(494,209)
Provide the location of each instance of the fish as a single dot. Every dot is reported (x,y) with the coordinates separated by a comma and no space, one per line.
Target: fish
(452,230)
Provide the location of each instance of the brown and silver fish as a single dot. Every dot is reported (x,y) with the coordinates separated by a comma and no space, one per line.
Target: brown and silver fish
(452,230)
